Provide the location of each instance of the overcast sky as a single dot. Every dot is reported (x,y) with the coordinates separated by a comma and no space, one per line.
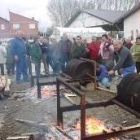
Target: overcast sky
(28,8)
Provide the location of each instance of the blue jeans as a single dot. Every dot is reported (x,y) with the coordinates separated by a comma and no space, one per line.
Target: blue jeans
(21,69)
(128,70)
(105,82)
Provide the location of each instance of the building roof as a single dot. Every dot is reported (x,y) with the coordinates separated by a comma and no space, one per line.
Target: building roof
(106,15)
(18,15)
(4,19)
(129,13)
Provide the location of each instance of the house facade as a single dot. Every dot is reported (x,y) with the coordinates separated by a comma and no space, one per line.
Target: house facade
(8,29)
(131,21)
(132,25)
(28,26)
(4,28)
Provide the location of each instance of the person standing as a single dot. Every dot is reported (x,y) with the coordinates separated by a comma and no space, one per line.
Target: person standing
(78,49)
(127,42)
(28,49)
(93,49)
(48,53)
(125,60)
(10,63)
(55,56)
(36,56)
(19,51)
(65,48)
(2,57)
(107,52)
(135,50)
(44,53)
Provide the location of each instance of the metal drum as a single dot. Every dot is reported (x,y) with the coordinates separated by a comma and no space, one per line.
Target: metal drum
(128,91)
(78,68)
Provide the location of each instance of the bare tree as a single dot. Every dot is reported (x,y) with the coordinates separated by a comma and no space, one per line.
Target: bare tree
(62,10)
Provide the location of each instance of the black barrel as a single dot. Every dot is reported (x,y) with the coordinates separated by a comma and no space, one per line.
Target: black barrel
(78,68)
(128,90)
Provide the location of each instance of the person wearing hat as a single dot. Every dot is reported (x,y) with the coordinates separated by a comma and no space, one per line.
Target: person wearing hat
(135,50)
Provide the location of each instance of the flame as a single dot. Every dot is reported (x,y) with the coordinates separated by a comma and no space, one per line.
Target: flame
(93,126)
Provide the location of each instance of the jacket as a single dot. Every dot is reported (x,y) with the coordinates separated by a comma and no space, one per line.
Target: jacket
(78,51)
(106,50)
(125,59)
(10,55)
(36,53)
(94,50)
(18,47)
(65,46)
(135,50)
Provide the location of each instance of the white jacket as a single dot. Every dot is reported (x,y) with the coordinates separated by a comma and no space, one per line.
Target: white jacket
(2,54)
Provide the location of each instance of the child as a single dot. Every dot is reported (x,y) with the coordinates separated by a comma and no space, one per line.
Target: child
(102,75)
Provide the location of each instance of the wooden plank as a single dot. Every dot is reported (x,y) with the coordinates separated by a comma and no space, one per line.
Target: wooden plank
(107,90)
(18,138)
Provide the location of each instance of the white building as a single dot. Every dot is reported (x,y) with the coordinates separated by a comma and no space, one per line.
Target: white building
(131,21)
(95,18)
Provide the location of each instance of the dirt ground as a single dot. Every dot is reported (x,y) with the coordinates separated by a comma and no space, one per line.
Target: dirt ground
(44,111)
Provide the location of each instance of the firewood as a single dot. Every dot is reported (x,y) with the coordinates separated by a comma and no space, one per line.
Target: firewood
(18,138)
(69,99)
(71,95)
(25,121)
(31,133)
(110,91)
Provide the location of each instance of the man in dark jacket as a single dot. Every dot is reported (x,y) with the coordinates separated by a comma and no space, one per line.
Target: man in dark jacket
(64,47)
(28,49)
(10,63)
(36,56)
(44,53)
(125,60)
(19,51)
(78,49)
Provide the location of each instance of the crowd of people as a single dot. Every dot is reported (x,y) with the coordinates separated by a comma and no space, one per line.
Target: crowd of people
(110,54)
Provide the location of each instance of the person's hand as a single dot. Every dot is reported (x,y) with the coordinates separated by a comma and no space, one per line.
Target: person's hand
(111,72)
(16,58)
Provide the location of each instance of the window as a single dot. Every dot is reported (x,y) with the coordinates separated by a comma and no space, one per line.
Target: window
(16,26)
(31,26)
(2,26)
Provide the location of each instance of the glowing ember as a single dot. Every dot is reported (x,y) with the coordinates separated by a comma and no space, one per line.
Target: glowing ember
(46,91)
(93,126)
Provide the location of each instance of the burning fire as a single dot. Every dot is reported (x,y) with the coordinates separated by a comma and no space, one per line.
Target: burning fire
(93,126)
